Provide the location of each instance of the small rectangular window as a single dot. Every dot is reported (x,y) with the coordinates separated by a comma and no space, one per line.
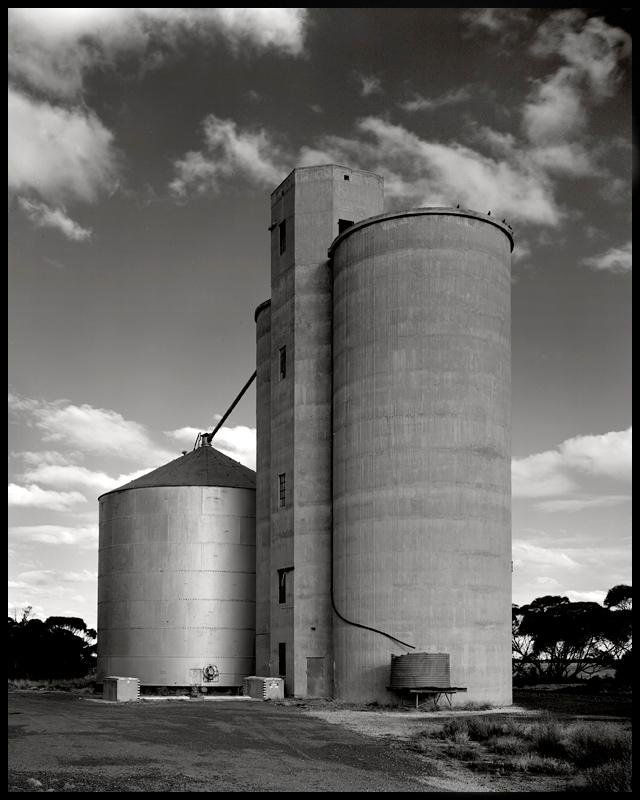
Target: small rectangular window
(283,362)
(346,177)
(282,659)
(343,224)
(283,584)
(283,236)
(282,480)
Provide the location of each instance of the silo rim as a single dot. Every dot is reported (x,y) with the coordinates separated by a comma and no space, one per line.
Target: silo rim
(416,212)
(261,308)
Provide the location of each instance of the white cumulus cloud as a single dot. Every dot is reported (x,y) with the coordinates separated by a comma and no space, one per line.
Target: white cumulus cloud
(34,497)
(58,149)
(90,430)
(85,536)
(46,577)
(586,597)
(51,49)
(238,442)
(590,46)
(57,152)
(32,457)
(417,171)
(528,554)
(581,503)
(250,155)
(496,20)
(556,110)
(540,475)
(69,476)
(616,259)
(369,84)
(608,454)
(557,472)
(421,103)
(45,217)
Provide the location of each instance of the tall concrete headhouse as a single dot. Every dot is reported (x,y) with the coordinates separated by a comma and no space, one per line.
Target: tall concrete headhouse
(383,495)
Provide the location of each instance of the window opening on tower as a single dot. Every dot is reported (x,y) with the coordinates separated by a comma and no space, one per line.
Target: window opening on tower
(282,659)
(283,236)
(283,362)
(283,584)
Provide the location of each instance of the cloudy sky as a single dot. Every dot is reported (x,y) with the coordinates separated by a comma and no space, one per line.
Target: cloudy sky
(143,148)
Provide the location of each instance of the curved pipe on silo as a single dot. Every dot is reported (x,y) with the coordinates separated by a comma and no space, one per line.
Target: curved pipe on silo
(421,448)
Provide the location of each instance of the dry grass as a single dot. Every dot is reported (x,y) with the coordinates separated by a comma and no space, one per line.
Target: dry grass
(592,756)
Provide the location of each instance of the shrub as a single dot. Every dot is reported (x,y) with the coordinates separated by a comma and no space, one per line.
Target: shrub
(535,764)
(615,776)
(610,777)
(509,745)
(483,729)
(549,740)
(455,729)
(591,745)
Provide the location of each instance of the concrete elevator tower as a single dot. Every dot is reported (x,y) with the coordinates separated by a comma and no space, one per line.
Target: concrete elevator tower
(294,638)
(383,494)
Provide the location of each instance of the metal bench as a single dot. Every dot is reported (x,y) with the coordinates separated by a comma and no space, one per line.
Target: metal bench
(436,692)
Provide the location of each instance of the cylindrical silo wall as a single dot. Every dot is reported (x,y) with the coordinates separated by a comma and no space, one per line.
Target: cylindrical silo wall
(176,585)
(263,491)
(421,437)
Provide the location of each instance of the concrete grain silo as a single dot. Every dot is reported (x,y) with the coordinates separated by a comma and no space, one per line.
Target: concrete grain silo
(176,574)
(421,448)
(383,428)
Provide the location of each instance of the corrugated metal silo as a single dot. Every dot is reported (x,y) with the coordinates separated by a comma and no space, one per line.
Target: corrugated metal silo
(421,458)
(176,574)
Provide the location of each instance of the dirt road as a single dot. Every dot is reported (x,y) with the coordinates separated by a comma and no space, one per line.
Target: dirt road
(69,743)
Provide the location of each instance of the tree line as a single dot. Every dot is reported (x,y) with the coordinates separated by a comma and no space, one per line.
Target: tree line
(554,639)
(58,648)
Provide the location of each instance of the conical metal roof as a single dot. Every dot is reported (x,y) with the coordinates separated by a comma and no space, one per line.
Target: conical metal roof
(204,466)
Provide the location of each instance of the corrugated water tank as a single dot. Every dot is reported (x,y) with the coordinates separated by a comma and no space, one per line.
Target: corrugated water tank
(418,670)
(120,689)
(264,688)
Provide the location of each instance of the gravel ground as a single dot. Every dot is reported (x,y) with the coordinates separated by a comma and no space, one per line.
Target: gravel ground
(64,743)
(396,728)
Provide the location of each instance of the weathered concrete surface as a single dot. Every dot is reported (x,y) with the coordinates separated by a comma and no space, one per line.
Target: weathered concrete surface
(61,743)
(263,488)
(421,465)
(311,201)
(282,463)
(176,584)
